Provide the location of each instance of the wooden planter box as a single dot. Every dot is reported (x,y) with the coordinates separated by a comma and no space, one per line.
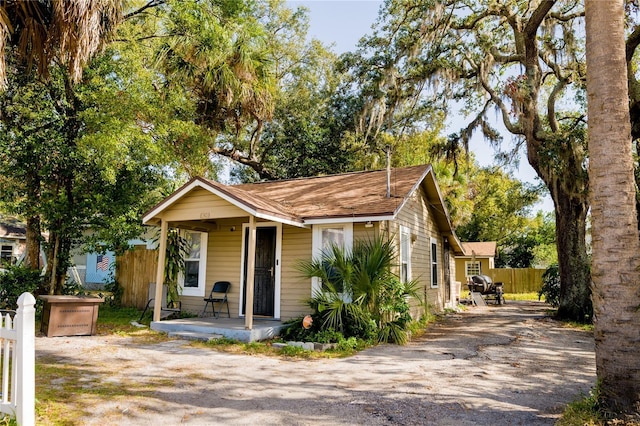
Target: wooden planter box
(69,315)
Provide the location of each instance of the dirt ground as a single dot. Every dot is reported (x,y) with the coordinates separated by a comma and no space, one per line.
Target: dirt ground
(500,365)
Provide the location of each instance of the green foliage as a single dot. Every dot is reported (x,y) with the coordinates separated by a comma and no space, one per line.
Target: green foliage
(177,250)
(8,421)
(531,246)
(584,411)
(360,296)
(114,293)
(551,286)
(72,288)
(78,160)
(350,344)
(501,205)
(294,331)
(15,281)
(294,351)
(116,316)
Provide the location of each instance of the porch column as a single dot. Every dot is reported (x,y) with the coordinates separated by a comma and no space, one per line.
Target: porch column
(162,253)
(251,268)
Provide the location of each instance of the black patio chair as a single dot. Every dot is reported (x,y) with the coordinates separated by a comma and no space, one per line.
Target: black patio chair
(218,295)
(165,311)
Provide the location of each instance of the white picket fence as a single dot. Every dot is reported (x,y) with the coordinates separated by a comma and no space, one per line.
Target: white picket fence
(17,362)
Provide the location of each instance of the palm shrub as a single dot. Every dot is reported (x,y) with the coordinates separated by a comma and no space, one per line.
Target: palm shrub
(360,296)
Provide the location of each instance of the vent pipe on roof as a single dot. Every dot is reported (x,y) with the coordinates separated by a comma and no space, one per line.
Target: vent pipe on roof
(388,171)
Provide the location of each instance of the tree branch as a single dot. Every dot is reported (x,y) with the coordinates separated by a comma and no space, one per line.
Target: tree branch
(151,3)
(551,105)
(238,157)
(513,128)
(566,18)
(537,17)
(632,42)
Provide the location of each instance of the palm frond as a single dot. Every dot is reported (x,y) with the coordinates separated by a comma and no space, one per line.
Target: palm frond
(69,31)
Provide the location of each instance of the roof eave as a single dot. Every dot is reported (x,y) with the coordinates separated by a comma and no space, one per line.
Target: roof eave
(151,217)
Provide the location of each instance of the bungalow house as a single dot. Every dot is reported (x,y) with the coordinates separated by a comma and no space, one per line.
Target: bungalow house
(258,233)
(477,259)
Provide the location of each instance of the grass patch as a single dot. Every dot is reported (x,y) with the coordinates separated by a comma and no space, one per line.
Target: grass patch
(266,348)
(586,411)
(578,325)
(583,411)
(64,392)
(532,296)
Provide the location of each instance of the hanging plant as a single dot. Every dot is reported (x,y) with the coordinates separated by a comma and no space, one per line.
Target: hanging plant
(177,250)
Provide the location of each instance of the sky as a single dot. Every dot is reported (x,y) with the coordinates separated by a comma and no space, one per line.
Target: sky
(342,23)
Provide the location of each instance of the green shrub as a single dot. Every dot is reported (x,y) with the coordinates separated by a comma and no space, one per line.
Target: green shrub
(583,411)
(294,351)
(328,335)
(551,286)
(114,298)
(294,331)
(73,288)
(15,281)
(349,344)
(360,296)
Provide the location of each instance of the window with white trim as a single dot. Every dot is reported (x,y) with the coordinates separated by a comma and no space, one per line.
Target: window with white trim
(6,254)
(434,262)
(323,237)
(405,254)
(472,268)
(193,279)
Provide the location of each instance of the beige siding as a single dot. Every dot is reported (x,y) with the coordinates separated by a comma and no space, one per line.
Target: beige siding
(223,264)
(225,247)
(461,269)
(416,216)
(296,246)
(201,204)
(361,232)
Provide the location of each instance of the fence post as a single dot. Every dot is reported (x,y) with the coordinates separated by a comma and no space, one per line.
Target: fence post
(26,355)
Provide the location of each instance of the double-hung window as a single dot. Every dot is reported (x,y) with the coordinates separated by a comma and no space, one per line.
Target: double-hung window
(405,254)
(434,262)
(6,254)
(195,264)
(325,236)
(472,268)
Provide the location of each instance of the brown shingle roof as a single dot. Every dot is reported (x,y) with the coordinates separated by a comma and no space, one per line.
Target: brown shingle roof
(484,248)
(359,194)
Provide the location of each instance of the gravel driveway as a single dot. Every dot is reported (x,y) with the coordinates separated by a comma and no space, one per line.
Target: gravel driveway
(500,365)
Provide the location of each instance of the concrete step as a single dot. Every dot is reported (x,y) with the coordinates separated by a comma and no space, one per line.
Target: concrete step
(194,336)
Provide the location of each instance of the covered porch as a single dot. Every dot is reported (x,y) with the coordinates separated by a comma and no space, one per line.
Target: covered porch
(205,329)
(239,239)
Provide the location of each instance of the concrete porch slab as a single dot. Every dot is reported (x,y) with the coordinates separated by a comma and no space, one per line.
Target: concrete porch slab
(232,328)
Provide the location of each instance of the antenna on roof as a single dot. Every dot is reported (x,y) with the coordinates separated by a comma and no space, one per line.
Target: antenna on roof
(388,171)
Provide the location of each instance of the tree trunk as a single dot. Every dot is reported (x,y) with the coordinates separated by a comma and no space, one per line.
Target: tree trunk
(52,264)
(616,266)
(569,194)
(573,262)
(32,251)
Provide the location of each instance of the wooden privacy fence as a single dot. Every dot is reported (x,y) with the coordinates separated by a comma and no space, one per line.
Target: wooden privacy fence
(17,362)
(135,270)
(518,280)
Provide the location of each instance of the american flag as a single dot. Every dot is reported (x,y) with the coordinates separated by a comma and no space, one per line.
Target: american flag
(103,262)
